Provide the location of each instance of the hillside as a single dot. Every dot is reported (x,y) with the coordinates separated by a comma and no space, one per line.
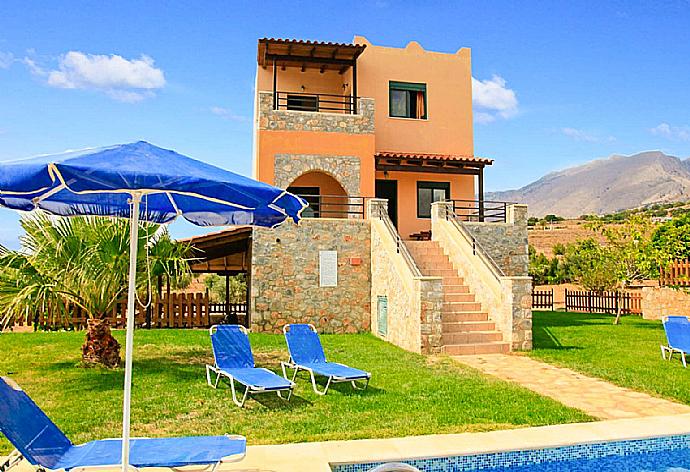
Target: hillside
(605,186)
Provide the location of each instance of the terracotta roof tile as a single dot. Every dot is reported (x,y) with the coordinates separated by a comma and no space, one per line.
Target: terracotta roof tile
(435,157)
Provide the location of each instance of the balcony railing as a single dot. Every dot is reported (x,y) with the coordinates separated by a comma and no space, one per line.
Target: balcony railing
(481,210)
(333,206)
(316,102)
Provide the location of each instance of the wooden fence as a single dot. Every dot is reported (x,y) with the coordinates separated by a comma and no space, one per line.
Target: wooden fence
(676,274)
(603,302)
(542,299)
(176,310)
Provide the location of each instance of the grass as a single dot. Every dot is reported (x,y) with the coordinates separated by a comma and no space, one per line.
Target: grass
(409,394)
(627,354)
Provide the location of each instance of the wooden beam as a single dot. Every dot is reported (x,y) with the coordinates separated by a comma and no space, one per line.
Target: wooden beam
(322,69)
(335,53)
(343,70)
(304,67)
(317,60)
(480,193)
(431,170)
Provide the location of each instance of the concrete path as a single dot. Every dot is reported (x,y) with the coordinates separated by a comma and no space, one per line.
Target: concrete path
(595,397)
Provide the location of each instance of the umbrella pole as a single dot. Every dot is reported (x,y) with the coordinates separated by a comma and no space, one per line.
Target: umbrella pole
(129,344)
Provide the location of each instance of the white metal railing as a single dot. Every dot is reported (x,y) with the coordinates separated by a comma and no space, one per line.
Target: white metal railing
(477,249)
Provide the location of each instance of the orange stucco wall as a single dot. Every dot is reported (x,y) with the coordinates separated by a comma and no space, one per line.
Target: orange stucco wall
(448,79)
(461,187)
(448,129)
(270,143)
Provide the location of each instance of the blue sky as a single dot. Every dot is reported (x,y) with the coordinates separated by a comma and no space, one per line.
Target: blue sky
(565,82)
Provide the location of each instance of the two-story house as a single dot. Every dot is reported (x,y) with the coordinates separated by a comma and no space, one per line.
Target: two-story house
(379,141)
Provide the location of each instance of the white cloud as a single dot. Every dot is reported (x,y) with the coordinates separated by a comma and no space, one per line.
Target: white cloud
(6,59)
(128,80)
(227,114)
(33,67)
(676,133)
(586,136)
(492,99)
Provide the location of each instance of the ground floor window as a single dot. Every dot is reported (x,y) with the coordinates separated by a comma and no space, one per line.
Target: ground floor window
(428,193)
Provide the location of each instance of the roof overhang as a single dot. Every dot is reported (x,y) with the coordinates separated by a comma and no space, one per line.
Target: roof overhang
(222,252)
(308,54)
(432,163)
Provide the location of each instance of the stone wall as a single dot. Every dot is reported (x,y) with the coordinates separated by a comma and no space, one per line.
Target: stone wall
(658,302)
(344,169)
(293,120)
(285,276)
(506,243)
(508,299)
(414,302)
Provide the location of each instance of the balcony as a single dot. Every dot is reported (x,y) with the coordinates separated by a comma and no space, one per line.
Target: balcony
(294,112)
(333,206)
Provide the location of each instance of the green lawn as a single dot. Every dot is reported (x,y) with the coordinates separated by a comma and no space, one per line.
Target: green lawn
(409,394)
(627,354)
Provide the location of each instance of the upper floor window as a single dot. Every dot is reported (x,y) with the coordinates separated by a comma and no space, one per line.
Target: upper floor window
(407,100)
(302,102)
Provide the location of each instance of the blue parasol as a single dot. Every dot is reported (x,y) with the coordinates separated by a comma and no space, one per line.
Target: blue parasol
(141,181)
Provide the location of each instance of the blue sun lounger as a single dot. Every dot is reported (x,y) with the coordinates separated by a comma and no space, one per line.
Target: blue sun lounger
(234,360)
(677,330)
(306,353)
(45,447)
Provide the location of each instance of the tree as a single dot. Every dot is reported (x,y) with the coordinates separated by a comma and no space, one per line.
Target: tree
(672,239)
(591,265)
(83,262)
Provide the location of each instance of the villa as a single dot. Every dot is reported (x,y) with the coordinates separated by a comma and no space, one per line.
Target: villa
(398,239)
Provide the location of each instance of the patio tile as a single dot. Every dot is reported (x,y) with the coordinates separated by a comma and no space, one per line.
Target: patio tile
(595,397)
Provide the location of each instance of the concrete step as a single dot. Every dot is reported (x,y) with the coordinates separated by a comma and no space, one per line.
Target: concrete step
(461,307)
(455,289)
(442,272)
(471,337)
(466,326)
(481,348)
(424,262)
(448,281)
(452,317)
(458,297)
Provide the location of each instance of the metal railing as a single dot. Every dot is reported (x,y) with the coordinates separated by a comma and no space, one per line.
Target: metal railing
(317,102)
(477,249)
(333,206)
(400,247)
(481,210)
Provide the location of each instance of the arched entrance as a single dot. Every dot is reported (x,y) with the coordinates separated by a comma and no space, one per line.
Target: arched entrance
(326,197)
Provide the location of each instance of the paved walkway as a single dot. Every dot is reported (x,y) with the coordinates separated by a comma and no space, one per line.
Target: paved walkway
(595,397)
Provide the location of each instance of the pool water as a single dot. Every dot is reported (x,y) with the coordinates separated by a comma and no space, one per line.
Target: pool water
(661,461)
(660,454)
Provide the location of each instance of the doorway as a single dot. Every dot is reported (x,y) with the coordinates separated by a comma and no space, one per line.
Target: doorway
(388,189)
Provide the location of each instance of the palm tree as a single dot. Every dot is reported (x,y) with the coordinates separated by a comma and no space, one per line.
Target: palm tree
(83,262)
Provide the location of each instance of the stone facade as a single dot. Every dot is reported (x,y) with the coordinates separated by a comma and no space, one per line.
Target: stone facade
(285,276)
(414,302)
(292,120)
(506,243)
(658,302)
(344,169)
(507,298)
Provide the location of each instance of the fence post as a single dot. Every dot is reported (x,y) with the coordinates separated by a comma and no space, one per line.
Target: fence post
(553,299)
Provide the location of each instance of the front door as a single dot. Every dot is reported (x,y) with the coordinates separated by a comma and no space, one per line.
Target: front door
(388,189)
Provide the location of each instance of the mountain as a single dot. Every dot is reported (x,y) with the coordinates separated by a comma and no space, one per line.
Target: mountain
(605,186)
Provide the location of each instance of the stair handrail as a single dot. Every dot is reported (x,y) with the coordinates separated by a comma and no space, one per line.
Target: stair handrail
(400,246)
(477,248)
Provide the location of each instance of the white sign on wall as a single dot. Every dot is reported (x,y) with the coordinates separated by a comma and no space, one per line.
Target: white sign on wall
(328,268)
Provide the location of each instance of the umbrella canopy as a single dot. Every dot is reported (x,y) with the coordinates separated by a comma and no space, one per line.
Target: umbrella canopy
(141,181)
(100,182)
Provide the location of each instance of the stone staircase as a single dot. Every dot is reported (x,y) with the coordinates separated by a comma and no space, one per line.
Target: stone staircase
(466,328)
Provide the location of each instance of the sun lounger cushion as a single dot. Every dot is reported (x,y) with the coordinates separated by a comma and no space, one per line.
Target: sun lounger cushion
(333,369)
(259,378)
(42,443)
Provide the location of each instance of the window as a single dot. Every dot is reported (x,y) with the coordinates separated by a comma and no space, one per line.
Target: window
(311,195)
(407,100)
(428,193)
(302,102)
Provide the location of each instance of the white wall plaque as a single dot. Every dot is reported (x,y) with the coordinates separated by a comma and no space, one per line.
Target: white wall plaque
(328,268)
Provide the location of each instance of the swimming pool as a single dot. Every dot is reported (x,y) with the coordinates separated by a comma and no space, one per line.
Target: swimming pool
(661,454)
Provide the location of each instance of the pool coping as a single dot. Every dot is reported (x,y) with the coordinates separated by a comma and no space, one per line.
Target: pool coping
(320,456)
